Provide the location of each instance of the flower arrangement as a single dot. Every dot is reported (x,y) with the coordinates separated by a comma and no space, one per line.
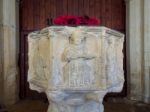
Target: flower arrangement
(76,20)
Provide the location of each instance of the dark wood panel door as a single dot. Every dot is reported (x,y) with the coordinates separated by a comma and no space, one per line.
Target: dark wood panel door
(34,15)
(24,85)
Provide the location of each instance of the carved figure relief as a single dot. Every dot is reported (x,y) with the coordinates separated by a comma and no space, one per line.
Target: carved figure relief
(78,72)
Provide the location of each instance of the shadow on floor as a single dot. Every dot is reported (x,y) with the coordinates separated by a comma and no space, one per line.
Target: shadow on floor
(41,106)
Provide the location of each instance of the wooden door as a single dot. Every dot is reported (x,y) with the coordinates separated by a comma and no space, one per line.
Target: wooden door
(34,15)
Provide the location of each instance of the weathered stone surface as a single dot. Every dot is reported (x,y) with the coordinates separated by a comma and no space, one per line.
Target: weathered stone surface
(8,52)
(138,49)
(146,52)
(76,66)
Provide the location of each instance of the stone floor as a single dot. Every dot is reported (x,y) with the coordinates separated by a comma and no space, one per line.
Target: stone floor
(41,106)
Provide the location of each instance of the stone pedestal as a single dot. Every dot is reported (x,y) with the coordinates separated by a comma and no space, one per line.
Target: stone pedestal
(76,66)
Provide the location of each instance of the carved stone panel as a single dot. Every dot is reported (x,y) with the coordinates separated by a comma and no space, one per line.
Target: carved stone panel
(76,64)
(78,60)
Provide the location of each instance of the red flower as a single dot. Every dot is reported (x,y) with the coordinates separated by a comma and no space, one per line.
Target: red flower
(76,20)
(93,21)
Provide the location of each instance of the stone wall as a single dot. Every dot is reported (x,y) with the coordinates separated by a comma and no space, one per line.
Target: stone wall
(1,76)
(138,49)
(135,48)
(9,51)
(146,43)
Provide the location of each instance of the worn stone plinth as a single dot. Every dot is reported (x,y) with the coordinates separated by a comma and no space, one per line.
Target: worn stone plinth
(76,66)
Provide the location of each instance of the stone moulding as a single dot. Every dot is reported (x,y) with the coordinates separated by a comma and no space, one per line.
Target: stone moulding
(76,66)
